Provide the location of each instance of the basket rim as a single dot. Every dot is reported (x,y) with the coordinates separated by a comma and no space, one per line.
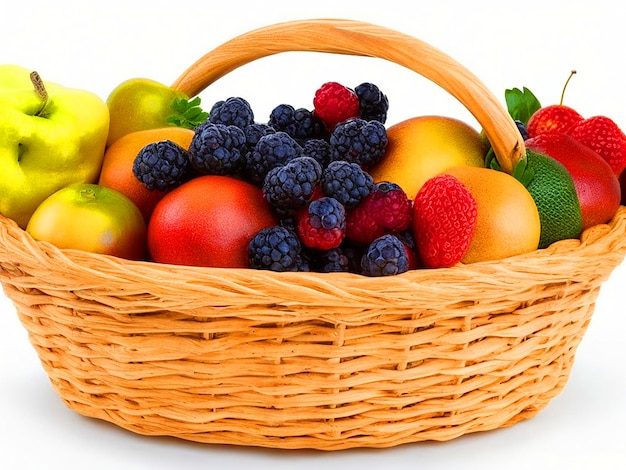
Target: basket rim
(606,240)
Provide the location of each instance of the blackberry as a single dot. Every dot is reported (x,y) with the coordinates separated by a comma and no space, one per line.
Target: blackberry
(217,149)
(385,256)
(303,264)
(347,182)
(354,253)
(359,141)
(308,125)
(291,186)
(331,261)
(323,225)
(521,127)
(255,131)
(234,111)
(407,237)
(373,104)
(271,150)
(290,222)
(301,124)
(162,165)
(319,149)
(281,118)
(275,248)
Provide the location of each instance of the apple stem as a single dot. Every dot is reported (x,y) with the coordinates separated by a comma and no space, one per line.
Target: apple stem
(565,86)
(40,88)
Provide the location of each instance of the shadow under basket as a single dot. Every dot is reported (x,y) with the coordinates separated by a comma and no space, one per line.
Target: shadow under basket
(308,360)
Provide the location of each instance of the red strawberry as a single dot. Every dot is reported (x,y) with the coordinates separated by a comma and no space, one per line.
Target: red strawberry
(622,184)
(603,135)
(553,118)
(444,220)
(334,103)
(387,209)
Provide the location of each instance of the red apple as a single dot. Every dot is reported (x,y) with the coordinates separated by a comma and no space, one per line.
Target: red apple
(597,186)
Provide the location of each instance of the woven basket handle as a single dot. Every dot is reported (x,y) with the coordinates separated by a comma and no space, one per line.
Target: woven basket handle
(364,39)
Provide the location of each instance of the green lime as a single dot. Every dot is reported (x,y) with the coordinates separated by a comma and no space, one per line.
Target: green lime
(555,195)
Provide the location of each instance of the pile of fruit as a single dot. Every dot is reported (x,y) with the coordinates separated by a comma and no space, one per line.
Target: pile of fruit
(149,175)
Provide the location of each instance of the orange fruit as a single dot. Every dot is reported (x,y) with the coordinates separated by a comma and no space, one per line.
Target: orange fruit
(425,146)
(507,222)
(208,221)
(92,218)
(117,166)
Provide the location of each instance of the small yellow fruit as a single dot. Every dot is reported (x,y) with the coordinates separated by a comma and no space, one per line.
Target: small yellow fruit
(507,222)
(92,218)
(425,146)
(138,104)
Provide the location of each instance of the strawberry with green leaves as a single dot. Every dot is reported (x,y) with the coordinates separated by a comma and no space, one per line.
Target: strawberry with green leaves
(598,133)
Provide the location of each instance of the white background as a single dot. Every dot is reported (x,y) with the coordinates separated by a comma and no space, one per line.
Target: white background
(508,44)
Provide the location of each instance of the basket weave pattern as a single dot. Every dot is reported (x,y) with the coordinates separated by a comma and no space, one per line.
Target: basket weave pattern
(298,360)
(307,360)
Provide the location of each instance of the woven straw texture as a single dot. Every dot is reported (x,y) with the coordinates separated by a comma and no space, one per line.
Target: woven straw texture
(305,360)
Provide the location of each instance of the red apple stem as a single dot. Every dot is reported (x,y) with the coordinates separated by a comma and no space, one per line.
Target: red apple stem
(573,72)
(40,88)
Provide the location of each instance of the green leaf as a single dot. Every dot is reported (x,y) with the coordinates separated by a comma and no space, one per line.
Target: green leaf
(521,104)
(523,172)
(187,113)
(491,161)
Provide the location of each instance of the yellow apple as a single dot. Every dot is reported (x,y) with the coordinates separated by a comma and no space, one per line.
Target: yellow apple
(51,136)
(425,146)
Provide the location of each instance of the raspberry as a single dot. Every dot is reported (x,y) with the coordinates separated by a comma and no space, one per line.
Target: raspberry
(334,103)
(272,150)
(291,186)
(346,182)
(373,104)
(217,149)
(361,227)
(444,221)
(234,111)
(275,248)
(322,224)
(301,124)
(359,141)
(390,207)
(162,165)
(385,256)
(387,209)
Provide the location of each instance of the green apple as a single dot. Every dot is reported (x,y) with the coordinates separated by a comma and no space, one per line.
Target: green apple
(424,146)
(50,137)
(139,104)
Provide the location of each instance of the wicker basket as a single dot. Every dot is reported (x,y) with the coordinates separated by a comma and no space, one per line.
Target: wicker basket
(307,360)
